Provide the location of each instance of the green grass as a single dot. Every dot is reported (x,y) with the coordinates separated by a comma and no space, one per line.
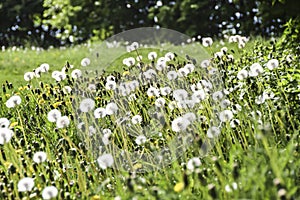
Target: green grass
(260,155)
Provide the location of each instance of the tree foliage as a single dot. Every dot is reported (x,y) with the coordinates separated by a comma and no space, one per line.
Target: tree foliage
(56,22)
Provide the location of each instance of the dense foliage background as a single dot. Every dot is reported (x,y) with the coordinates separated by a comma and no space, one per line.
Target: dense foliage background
(58,22)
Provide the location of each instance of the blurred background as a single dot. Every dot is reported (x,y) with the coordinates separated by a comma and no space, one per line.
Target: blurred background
(47,23)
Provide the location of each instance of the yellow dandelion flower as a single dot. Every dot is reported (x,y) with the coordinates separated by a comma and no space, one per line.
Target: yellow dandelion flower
(55,105)
(13,124)
(19,151)
(7,95)
(179,187)
(42,101)
(98,98)
(126,73)
(96,197)
(137,166)
(21,88)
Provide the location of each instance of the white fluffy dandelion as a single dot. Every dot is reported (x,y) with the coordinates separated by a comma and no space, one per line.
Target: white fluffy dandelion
(53,115)
(242,74)
(4,123)
(255,70)
(62,122)
(99,113)
(29,76)
(85,62)
(105,161)
(272,64)
(49,192)
(76,73)
(193,163)
(87,105)
(39,157)
(5,135)
(141,139)
(179,124)
(110,85)
(213,132)
(111,108)
(226,115)
(152,55)
(207,41)
(172,75)
(152,91)
(25,184)
(160,102)
(137,119)
(13,101)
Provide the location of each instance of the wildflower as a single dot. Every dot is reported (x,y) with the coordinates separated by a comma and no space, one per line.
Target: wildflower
(62,122)
(217,95)
(172,75)
(193,163)
(39,157)
(4,123)
(5,135)
(206,84)
(13,101)
(169,56)
(207,41)
(67,89)
(179,187)
(59,76)
(100,113)
(182,72)
(85,62)
(225,103)
(152,55)
(152,91)
(180,94)
(76,73)
(189,67)
(272,64)
(49,192)
(111,108)
(218,54)
(199,96)
(25,184)
(224,50)
(255,70)
(110,78)
(29,76)
(137,119)
(213,132)
(191,117)
(172,105)
(44,67)
(226,115)
(106,138)
(179,124)
(205,63)
(243,74)
(105,161)
(149,74)
(165,91)
(141,139)
(129,61)
(110,85)
(160,102)
(87,105)
(53,115)
(241,45)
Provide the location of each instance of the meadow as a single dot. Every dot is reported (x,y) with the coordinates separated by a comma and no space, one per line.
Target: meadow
(158,126)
